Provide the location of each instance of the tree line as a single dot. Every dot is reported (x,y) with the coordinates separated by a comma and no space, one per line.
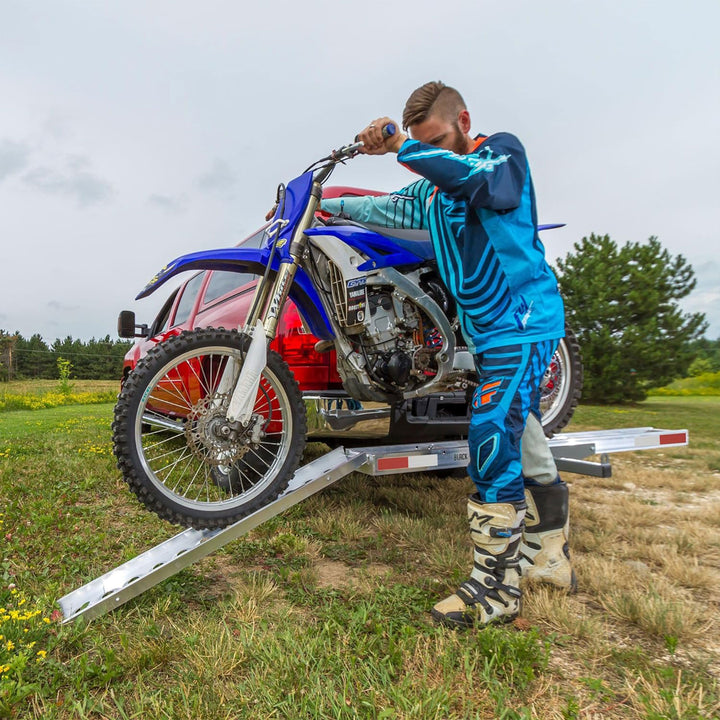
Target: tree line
(707,357)
(34,359)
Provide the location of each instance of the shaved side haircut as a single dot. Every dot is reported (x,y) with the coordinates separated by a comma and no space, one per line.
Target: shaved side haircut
(432,98)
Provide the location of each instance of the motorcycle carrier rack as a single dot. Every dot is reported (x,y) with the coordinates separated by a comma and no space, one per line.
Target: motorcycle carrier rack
(132,578)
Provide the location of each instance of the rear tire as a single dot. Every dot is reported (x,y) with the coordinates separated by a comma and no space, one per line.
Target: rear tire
(175,448)
(561,387)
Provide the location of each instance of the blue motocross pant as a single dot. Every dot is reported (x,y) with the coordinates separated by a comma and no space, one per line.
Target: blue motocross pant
(508,391)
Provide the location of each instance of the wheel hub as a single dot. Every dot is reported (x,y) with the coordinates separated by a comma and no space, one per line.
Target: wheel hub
(210,435)
(551,383)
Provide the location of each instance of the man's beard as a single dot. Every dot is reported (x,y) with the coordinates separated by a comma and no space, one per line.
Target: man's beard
(459,141)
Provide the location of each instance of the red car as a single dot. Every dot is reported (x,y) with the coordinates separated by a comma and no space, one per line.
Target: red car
(215,298)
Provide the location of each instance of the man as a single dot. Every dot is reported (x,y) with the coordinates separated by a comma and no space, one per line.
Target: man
(477,200)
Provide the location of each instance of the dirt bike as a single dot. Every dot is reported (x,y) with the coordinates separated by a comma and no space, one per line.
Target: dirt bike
(210,426)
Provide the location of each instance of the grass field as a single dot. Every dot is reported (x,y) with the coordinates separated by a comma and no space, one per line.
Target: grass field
(323,612)
(39,394)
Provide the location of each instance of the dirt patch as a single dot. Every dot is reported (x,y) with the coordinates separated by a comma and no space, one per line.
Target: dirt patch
(338,575)
(678,499)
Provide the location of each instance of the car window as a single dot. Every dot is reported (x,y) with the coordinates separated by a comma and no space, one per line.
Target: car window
(187,301)
(222,282)
(162,319)
(254,240)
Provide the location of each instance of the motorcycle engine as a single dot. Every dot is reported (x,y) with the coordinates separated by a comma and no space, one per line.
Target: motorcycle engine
(394,340)
(389,341)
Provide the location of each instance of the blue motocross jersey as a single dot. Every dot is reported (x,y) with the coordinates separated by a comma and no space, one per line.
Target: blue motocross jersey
(480,211)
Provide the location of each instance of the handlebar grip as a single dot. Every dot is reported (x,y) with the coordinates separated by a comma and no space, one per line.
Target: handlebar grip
(387,131)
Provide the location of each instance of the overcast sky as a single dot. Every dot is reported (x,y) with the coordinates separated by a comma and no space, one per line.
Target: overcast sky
(133,132)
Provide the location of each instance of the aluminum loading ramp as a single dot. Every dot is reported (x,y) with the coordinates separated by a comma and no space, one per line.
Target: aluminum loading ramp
(164,560)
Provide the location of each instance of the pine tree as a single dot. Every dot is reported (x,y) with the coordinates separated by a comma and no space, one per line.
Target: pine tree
(622,304)
(34,359)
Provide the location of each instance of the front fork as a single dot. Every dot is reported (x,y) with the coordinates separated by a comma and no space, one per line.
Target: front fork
(269,298)
(261,324)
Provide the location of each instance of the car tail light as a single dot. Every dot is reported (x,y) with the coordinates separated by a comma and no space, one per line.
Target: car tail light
(295,344)
(312,370)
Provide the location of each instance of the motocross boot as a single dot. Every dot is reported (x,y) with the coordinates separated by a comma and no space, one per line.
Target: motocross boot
(493,592)
(544,552)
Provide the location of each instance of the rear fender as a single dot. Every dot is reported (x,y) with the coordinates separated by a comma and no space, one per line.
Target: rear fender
(249,260)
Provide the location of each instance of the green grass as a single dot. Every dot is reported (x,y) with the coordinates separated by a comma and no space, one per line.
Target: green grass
(700,415)
(323,612)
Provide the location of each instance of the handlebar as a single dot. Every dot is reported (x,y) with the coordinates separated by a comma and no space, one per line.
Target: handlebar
(346,152)
(387,131)
(351,150)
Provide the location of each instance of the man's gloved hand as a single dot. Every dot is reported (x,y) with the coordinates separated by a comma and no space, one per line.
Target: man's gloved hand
(375,143)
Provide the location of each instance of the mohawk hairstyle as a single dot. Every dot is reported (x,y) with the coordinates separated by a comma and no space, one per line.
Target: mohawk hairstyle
(432,98)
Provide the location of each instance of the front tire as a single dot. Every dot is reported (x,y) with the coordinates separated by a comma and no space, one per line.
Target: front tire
(175,447)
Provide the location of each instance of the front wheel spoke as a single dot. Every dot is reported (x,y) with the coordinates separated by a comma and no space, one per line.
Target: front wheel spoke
(266,464)
(210,373)
(153,444)
(165,402)
(166,426)
(184,470)
(202,379)
(150,447)
(203,483)
(261,408)
(269,447)
(243,479)
(168,466)
(192,481)
(220,371)
(181,393)
(171,467)
(169,470)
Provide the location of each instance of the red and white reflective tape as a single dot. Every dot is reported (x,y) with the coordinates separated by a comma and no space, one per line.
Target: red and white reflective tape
(676,437)
(407,462)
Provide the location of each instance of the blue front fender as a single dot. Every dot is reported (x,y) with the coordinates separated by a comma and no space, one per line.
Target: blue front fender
(249,260)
